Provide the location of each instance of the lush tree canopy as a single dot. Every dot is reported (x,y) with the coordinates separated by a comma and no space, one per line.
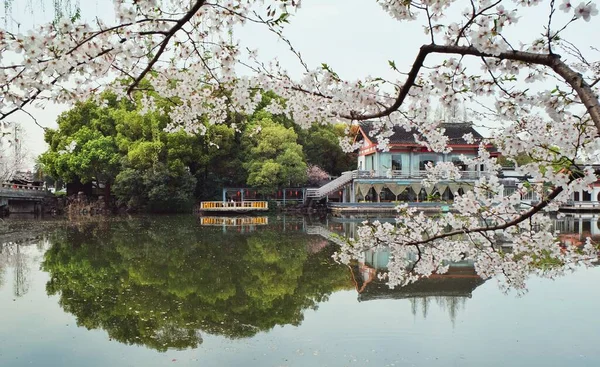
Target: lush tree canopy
(126,278)
(116,144)
(147,167)
(86,146)
(275,158)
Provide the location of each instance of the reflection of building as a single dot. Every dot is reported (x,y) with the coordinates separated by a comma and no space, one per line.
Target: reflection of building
(449,290)
(460,280)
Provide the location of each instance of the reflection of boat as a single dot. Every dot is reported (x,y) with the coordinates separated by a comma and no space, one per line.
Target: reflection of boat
(234,221)
(233,207)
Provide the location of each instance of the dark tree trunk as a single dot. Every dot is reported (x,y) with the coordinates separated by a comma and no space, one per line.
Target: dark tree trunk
(107,195)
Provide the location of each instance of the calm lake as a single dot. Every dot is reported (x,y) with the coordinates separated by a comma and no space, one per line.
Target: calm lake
(190,291)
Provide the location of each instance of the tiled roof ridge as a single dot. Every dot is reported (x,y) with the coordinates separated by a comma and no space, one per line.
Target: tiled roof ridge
(453,130)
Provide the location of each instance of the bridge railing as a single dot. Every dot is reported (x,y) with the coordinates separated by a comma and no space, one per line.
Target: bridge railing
(12,186)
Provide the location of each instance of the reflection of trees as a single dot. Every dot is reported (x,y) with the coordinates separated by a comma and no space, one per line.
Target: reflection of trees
(12,256)
(453,304)
(160,283)
(21,272)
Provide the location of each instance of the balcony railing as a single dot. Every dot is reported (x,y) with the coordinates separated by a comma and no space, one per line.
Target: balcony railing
(394,174)
(8,185)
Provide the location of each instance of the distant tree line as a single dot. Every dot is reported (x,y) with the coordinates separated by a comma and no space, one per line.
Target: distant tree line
(128,152)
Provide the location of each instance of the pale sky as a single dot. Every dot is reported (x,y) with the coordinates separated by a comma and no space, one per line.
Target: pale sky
(355,37)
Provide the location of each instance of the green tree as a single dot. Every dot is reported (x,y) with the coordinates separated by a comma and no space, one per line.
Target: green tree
(117,145)
(275,159)
(221,162)
(320,143)
(322,148)
(158,189)
(84,147)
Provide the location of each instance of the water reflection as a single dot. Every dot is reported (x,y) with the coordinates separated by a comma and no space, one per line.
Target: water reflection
(167,282)
(13,256)
(574,229)
(449,291)
(162,283)
(16,258)
(452,289)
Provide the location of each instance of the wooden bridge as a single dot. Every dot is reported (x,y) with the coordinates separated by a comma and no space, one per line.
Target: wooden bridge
(233,206)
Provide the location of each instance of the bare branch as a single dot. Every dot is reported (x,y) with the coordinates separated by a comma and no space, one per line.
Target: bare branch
(35,121)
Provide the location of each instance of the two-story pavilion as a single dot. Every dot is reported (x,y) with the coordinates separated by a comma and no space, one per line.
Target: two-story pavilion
(397,174)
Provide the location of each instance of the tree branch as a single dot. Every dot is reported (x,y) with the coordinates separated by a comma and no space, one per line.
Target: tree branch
(553,61)
(180,23)
(530,213)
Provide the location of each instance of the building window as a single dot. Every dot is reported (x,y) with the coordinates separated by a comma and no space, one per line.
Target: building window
(423,164)
(586,196)
(460,164)
(427,158)
(396,162)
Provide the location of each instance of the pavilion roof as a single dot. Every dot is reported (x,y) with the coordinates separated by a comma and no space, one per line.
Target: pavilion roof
(454,131)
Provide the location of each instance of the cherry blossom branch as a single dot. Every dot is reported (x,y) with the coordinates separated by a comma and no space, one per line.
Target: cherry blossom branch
(474,15)
(549,28)
(523,217)
(37,93)
(180,23)
(574,79)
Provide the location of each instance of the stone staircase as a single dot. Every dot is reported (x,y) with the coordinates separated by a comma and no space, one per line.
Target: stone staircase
(331,186)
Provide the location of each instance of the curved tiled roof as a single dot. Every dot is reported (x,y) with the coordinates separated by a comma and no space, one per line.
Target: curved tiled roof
(454,131)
